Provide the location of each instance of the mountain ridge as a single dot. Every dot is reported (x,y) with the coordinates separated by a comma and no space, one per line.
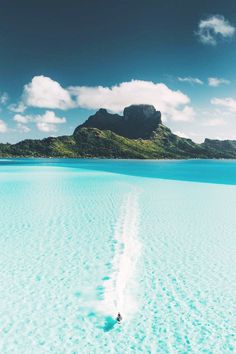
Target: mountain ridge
(139,134)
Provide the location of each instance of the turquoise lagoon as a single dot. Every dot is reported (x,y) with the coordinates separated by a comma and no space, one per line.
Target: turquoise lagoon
(81,240)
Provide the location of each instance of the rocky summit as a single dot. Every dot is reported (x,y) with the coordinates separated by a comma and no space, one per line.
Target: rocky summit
(138,133)
(138,121)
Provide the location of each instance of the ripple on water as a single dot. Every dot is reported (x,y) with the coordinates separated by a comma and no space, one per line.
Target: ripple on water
(57,246)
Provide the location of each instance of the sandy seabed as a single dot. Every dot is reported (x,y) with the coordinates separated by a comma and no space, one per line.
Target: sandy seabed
(77,246)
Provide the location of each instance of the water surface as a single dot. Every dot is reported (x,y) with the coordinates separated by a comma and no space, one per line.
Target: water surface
(81,239)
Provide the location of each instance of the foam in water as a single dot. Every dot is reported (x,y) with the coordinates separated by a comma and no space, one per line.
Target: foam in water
(117,295)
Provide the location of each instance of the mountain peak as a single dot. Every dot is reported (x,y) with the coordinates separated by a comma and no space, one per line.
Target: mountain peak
(102,111)
(138,121)
(143,111)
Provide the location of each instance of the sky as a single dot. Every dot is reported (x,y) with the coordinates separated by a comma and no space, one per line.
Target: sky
(62,60)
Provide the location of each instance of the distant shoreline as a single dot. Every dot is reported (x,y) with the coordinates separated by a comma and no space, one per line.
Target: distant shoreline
(116,158)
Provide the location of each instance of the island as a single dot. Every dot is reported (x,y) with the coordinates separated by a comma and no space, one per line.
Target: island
(138,134)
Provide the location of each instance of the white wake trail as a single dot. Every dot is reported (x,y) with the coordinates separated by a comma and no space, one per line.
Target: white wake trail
(117,297)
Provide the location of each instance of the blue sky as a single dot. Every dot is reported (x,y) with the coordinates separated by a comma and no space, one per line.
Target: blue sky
(62,60)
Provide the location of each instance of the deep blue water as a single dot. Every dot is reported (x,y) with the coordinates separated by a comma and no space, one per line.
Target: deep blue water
(206,171)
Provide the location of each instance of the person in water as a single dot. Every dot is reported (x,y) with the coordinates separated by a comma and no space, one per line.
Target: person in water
(119,318)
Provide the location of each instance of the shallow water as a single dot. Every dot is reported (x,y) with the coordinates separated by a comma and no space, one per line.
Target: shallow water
(81,240)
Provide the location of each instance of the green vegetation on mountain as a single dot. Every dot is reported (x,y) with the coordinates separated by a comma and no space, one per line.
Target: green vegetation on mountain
(139,133)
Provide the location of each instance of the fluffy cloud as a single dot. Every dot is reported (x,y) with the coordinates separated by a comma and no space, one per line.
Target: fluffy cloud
(215,81)
(172,104)
(187,114)
(191,80)
(44,92)
(229,103)
(213,28)
(3,126)
(46,122)
(45,127)
(17,108)
(23,128)
(4,98)
(50,117)
(22,119)
(214,122)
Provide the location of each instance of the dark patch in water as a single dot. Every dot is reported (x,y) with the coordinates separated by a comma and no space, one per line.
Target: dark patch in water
(109,324)
(109,265)
(91,314)
(78,294)
(100,292)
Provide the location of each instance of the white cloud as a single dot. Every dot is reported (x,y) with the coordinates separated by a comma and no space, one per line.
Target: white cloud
(214,122)
(228,136)
(4,98)
(23,128)
(3,126)
(45,127)
(46,122)
(50,117)
(44,92)
(172,104)
(187,114)
(19,118)
(181,134)
(17,108)
(214,27)
(229,103)
(215,81)
(191,80)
